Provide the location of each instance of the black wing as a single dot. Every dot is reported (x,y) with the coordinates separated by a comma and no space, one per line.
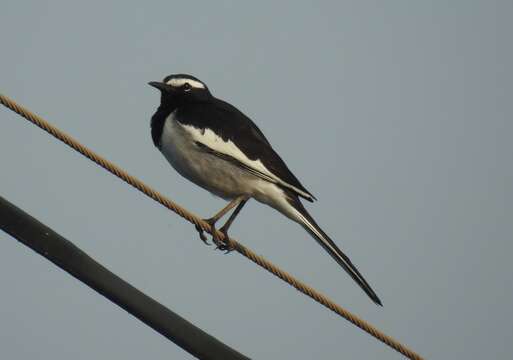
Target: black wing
(231,124)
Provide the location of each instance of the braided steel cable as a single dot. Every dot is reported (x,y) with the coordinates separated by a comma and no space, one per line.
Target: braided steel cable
(187,215)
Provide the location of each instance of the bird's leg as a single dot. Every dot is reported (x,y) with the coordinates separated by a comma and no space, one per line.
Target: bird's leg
(211,221)
(226,226)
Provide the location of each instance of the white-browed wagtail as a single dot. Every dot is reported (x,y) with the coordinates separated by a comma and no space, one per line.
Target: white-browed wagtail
(217,147)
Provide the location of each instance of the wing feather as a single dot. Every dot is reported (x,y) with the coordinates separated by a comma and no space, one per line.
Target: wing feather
(230,134)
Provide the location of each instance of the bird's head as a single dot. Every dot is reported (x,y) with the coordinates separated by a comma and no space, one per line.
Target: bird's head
(181,88)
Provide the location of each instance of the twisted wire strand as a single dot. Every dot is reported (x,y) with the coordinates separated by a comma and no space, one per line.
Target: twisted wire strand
(243,250)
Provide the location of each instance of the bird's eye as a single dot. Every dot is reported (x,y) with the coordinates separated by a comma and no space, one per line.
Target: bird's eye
(187,87)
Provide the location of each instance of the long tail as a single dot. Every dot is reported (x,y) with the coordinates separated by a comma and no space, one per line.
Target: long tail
(311,226)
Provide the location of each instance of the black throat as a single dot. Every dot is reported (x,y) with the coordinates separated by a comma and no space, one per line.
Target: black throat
(170,103)
(158,120)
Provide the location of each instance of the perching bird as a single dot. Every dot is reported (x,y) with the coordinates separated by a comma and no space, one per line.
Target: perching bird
(217,147)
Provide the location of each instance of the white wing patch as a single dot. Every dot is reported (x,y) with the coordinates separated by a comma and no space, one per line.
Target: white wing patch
(211,140)
(177,82)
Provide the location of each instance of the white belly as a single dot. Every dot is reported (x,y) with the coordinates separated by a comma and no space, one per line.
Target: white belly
(212,173)
(218,176)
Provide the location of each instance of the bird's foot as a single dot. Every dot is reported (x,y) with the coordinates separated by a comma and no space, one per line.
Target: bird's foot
(202,233)
(223,245)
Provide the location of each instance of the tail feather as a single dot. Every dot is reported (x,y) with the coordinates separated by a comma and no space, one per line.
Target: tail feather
(324,240)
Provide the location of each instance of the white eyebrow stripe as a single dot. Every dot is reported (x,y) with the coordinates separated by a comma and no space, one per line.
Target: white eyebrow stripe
(177,82)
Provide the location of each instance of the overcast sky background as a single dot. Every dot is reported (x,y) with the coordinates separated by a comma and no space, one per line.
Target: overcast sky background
(397,115)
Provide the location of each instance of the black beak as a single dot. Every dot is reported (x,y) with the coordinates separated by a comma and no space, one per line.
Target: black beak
(161,86)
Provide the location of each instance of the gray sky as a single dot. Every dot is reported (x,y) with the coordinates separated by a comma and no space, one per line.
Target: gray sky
(396,115)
